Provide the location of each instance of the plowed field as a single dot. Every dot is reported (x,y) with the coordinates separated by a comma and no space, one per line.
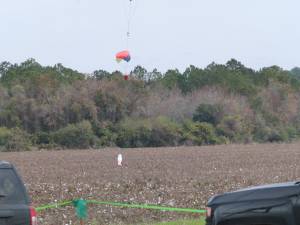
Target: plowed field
(179,177)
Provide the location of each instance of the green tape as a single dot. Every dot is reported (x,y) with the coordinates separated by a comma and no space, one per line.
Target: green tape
(145,206)
(119,204)
(52,206)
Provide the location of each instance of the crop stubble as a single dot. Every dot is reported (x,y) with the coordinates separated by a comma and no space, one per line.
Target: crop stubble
(179,177)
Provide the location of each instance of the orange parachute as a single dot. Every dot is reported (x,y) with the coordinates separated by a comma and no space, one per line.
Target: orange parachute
(124,55)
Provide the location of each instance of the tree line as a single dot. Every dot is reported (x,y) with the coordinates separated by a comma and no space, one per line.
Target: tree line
(58,107)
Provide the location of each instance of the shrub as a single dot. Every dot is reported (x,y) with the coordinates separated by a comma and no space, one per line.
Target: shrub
(107,138)
(275,134)
(165,132)
(208,113)
(42,138)
(200,133)
(5,134)
(157,132)
(235,129)
(278,135)
(79,135)
(14,139)
(292,132)
(134,133)
(105,133)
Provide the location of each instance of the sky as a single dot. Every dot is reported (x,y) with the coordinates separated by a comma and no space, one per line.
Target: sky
(164,34)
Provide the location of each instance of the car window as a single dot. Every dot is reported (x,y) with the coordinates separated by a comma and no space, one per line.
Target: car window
(11,190)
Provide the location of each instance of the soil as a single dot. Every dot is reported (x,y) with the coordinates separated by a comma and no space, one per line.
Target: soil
(177,177)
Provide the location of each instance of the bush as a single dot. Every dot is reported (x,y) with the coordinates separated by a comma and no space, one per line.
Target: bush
(292,133)
(278,135)
(200,134)
(235,129)
(157,132)
(208,113)
(42,138)
(106,135)
(79,135)
(5,134)
(165,132)
(14,139)
(108,138)
(134,133)
(275,134)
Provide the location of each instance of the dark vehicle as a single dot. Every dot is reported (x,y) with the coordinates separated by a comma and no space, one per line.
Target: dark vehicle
(14,202)
(276,204)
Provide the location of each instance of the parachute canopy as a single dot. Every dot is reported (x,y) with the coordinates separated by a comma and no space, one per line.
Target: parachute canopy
(124,55)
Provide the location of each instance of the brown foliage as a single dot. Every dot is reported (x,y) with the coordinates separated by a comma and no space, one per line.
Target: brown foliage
(173,104)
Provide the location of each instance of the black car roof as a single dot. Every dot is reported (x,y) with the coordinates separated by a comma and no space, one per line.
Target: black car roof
(5,165)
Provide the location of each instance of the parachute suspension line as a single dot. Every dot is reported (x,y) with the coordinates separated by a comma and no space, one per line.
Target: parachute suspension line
(124,57)
(128,32)
(129,17)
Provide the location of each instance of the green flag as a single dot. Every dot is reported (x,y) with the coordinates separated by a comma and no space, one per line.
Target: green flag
(81,208)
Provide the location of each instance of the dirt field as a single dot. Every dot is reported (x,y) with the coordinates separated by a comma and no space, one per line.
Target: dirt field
(179,177)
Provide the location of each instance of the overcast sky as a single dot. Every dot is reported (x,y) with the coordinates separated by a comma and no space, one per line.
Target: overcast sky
(86,34)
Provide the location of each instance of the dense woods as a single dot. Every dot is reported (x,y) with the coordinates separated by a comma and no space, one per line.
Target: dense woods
(58,107)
